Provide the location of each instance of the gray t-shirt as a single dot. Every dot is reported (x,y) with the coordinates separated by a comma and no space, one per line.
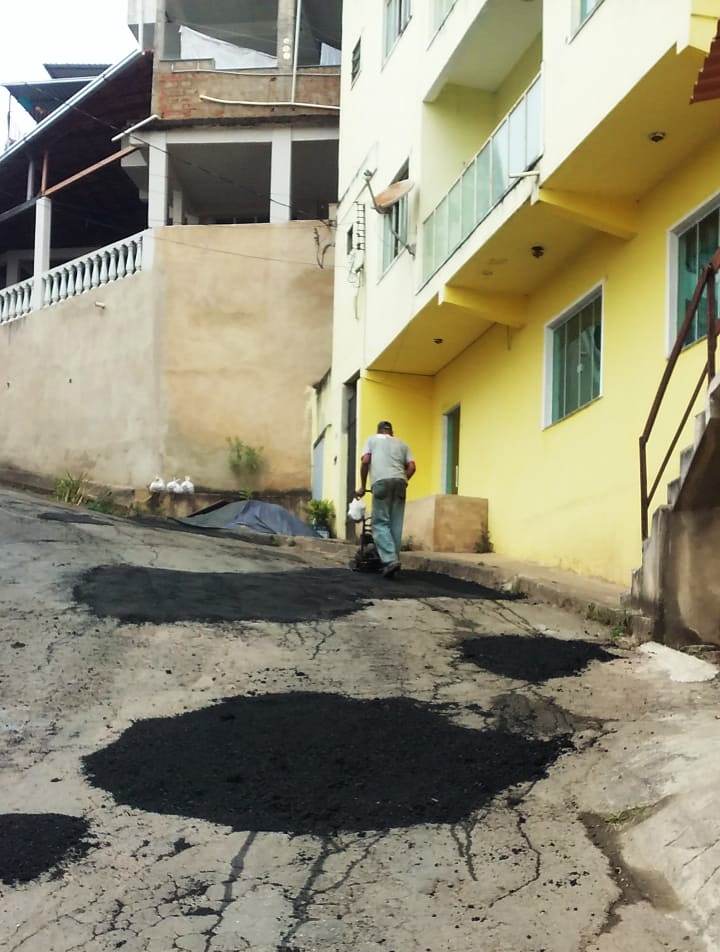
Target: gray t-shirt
(389,456)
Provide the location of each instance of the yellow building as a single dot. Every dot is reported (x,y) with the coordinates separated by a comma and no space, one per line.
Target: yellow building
(513,313)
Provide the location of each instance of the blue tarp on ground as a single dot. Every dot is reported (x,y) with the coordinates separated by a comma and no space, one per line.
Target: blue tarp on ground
(252,516)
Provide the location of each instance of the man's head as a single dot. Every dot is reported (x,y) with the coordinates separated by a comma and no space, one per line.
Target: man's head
(385,426)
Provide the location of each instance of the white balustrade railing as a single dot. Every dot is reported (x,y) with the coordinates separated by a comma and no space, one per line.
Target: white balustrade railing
(93,270)
(16,301)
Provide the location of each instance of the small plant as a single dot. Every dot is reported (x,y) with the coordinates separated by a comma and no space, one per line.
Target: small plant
(105,504)
(617,633)
(245,461)
(72,489)
(321,513)
(484,545)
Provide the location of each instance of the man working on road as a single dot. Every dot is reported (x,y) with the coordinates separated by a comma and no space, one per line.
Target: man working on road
(390,464)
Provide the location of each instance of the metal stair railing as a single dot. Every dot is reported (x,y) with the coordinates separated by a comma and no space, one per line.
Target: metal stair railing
(706,281)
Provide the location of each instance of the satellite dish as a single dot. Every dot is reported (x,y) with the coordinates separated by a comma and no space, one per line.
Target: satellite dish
(391,196)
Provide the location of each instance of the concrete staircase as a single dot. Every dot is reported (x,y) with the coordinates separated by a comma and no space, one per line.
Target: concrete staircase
(675,589)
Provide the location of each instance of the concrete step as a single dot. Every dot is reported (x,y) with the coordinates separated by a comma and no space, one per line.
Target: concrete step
(685,460)
(637,586)
(700,424)
(673,491)
(713,398)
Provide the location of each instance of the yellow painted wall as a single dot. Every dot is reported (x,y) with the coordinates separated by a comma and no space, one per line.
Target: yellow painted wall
(406,401)
(567,494)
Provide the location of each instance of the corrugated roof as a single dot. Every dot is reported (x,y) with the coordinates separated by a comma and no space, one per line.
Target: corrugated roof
(41,98)
(708,84)
(72,102)
(75,70)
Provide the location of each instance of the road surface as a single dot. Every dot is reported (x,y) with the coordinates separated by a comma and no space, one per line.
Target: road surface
(210,745)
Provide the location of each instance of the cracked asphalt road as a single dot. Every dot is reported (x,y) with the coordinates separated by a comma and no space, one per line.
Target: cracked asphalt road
(533,864)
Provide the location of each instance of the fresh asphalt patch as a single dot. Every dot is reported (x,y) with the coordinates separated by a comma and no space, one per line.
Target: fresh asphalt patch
(313,763)
(136,594)
(535,658)
(35,843)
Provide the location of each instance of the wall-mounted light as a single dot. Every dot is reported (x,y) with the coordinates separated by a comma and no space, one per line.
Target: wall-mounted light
(657,136)
(438,340)
(537,251)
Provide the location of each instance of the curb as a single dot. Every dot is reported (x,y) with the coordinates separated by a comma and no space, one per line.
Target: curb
(524,585)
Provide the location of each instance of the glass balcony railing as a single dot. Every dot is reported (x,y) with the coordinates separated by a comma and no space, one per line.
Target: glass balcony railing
(514,147)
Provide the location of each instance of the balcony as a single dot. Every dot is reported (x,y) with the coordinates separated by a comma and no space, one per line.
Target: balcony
(514,147)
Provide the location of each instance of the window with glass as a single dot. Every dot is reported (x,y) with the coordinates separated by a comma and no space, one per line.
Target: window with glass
(696,246)
(397,17)
(395,225)
(576,358)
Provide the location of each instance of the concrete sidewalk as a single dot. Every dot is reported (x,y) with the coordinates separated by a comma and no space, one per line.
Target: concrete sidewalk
(592,598)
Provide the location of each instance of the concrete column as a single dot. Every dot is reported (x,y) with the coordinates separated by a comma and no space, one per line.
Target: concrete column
(43,229)
(281,176)
(158,187)
(177,207)
(286,34)
(160,25)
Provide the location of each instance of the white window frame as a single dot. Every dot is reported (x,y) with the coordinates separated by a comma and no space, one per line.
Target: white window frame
(399,6)
(673,251)
(548,368)
(576,23)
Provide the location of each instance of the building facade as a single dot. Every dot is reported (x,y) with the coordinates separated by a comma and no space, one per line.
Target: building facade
(512,308)
(166,250)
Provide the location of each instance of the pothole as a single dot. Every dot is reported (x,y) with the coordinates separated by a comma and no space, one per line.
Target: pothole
(35,843)
(310,763)
(533,659)
(136,594)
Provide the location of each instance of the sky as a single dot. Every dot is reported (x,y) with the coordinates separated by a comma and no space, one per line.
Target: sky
(55,31)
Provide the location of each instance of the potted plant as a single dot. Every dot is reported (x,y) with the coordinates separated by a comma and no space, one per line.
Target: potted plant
(321,514)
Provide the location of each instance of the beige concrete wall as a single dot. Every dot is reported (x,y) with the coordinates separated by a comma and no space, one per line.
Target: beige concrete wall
(223,336)
(446,523)
(246,332)
(79,388)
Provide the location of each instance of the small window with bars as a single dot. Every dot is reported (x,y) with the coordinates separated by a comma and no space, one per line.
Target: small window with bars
(576,342)
(356,61)
(397,17)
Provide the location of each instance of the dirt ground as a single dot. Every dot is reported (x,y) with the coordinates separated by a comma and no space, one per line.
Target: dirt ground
(214,746)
